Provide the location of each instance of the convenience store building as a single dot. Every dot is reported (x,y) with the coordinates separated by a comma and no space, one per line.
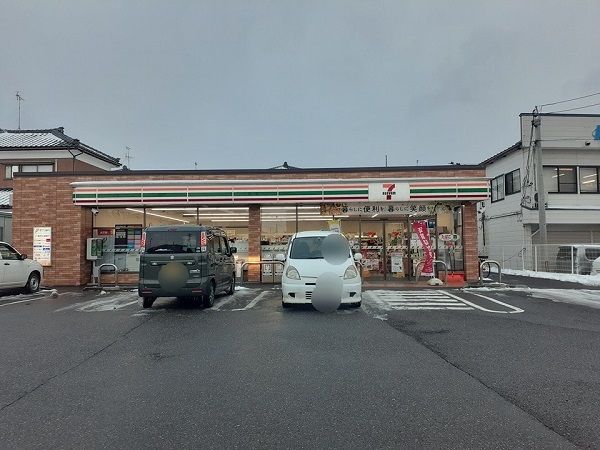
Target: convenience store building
(55,214)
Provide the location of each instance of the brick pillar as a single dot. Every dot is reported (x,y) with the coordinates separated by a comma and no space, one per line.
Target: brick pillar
(470,247)
(254,234)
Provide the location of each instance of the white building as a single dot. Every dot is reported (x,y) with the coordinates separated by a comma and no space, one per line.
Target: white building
(508,222)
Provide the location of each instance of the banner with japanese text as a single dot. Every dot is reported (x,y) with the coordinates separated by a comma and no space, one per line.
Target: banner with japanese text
(420,227)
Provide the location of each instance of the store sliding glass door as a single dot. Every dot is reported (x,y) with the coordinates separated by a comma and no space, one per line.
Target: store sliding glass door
(390,248)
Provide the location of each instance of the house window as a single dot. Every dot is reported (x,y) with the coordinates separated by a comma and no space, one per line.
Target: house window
(560,180)
(498,188)
(588,180)
(11,170)
(512,182)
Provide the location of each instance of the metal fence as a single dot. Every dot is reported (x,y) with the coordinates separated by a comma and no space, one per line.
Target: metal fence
(558,258)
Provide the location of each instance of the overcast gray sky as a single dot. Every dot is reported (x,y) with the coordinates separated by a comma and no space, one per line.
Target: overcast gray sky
(250,84)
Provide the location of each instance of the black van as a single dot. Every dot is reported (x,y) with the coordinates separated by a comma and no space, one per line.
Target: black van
(185,261)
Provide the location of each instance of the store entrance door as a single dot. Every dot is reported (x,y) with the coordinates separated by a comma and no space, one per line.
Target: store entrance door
(390,249)
(384,245)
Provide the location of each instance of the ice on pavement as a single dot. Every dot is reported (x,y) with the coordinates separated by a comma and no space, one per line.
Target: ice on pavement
(588,280)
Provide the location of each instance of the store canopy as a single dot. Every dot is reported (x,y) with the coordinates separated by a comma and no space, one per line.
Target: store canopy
(194,192)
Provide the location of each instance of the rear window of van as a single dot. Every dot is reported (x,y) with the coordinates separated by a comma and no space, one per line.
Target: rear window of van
(172,242)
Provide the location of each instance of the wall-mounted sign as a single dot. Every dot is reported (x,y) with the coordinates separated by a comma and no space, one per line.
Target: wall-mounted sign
(389,192)
(449,237)
(383,210)
(42,245)
(154,192)
(335,225)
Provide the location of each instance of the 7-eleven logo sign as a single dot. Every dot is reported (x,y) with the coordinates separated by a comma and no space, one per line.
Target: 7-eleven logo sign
(389,190)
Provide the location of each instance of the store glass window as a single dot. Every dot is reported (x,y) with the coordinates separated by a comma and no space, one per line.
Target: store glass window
(588,179)
(560,180)
(122,228)
(497,187)
(512,182)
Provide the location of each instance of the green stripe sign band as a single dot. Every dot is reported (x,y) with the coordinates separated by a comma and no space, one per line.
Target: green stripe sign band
(309,192)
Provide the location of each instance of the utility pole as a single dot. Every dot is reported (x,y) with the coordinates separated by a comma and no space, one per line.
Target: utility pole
(19,100)
(541,190)
(386,161)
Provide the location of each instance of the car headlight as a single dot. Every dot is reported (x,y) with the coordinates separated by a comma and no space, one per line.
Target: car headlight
(350,273)
(292,273)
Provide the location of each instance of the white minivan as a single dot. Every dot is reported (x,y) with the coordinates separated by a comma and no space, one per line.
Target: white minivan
(304,263)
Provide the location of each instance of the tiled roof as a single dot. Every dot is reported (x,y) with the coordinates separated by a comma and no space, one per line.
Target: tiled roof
(5,198)
(29,139)
(53,138)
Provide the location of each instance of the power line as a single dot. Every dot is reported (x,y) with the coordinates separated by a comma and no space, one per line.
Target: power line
(574,109)
(570,100)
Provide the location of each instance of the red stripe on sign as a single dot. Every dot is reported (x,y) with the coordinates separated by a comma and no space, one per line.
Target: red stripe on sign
(458,183)
(209,188)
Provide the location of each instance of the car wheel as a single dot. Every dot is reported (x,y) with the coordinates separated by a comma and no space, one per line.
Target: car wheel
(147,302)
(355,304)
(231,288)
(209,297)
(285,305)
(33,283)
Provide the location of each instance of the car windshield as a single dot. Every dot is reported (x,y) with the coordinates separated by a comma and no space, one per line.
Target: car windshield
(172,242)
(308,248)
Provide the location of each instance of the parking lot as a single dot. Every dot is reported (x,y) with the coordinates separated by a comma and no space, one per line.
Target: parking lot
(455,368)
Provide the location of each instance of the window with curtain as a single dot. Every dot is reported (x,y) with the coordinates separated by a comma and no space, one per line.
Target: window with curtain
(512,182)
(497,185)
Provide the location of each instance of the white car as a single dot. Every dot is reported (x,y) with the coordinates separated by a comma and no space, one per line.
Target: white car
(304,263)
(16,271)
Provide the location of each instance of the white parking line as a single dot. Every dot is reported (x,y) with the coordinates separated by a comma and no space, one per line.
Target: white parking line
(217,306)
(514,308)
(250,305)
(32,299)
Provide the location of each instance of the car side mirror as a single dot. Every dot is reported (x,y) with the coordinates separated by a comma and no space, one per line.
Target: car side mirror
(357,257)
(22,256)
(233,250)
(280,257)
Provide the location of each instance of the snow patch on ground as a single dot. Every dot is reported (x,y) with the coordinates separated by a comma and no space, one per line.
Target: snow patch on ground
(588,280)
(241,288)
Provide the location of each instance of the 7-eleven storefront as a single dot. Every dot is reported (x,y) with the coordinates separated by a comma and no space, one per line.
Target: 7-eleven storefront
(379,215)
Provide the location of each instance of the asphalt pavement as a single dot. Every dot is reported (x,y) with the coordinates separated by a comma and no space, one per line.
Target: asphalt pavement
(420,369)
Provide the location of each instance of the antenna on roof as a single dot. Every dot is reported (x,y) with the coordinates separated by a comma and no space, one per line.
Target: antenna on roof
(128,156)
(19,100)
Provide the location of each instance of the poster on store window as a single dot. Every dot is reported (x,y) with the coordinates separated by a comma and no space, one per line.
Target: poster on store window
(422,231)
(397,264)
(335,225)
(42,245)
